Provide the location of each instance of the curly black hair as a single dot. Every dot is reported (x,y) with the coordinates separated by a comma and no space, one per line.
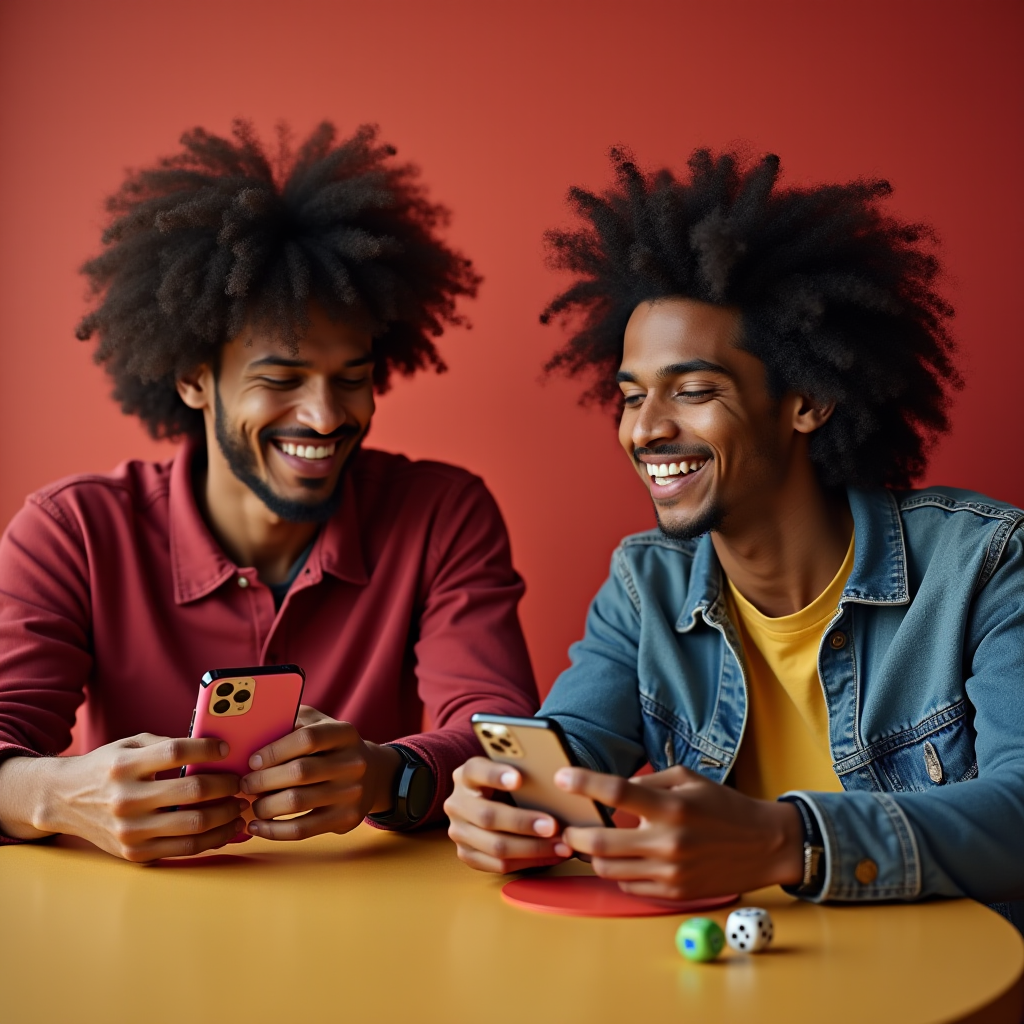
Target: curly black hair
(836,298)
(225,234)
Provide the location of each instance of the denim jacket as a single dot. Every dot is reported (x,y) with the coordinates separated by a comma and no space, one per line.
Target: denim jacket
(922,668)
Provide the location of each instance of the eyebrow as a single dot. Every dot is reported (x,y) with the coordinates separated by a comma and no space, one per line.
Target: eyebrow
(303,364)
(677,370)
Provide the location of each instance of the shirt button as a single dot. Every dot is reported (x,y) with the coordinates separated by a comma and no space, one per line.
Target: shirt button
(837,641)
(243,582)
(866,871)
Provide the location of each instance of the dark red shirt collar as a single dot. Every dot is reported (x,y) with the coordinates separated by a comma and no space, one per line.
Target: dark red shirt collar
(199,564)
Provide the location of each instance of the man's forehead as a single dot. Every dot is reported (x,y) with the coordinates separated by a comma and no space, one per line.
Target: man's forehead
(681,335)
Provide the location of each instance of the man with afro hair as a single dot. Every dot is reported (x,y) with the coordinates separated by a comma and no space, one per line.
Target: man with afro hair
(822,666)
(251,303)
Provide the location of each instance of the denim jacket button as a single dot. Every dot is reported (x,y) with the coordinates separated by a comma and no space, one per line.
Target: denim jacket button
(866,871)
(837,641)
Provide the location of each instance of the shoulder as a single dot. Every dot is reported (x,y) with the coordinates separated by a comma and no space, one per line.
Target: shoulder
(654,568)
(85,500)
(395,491)
(374,466)
(951,504)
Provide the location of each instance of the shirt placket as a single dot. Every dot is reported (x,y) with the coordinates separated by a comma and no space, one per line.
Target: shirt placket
(261,609)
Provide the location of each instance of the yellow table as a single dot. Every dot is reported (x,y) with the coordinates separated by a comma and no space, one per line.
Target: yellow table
(379,927)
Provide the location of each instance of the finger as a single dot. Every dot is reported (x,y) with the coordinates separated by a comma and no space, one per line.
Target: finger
(314,823)
(189,789)
(164,755)
(613,791)
(306,798)
(309,716)
(498,817)
(634,869)
(677,775)
(184,846)
(187,821)
(306,740)
(303,771)
(507,848)
(612,842)
(482,773)
(484,862)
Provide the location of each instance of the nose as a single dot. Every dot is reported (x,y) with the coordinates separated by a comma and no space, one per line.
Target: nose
(320,409)
(653,422)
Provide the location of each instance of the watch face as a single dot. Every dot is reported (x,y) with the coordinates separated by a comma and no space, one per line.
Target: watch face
(421,792)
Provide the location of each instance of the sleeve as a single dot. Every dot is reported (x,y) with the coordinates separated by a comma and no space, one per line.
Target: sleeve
(45,658)
(952,840)
(596,700)
(470,651)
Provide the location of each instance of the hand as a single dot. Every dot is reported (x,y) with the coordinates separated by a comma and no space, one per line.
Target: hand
(324,769)
(111,798)
(695,838)
(493,836)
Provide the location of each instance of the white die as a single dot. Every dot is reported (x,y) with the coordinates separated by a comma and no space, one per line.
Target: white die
(749,929)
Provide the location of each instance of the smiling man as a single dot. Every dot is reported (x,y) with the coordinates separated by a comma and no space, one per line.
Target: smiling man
(823,667)
(251,305)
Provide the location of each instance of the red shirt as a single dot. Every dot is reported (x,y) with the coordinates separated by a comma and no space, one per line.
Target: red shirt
(113,589)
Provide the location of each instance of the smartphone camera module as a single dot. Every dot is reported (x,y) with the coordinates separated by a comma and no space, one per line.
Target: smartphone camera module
(232,697)
(500,739)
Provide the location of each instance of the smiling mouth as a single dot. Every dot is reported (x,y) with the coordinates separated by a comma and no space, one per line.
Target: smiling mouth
(662,474)
(308,452)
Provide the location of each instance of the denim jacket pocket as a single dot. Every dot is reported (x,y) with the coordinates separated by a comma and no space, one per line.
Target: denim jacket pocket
(937,752)
(669,741)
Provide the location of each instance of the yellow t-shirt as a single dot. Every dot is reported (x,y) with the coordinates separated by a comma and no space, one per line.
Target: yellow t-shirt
(785,742)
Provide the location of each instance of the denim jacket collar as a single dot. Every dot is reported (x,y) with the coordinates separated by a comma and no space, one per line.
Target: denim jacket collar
(879,573)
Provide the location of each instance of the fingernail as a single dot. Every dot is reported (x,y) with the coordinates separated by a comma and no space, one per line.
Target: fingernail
(239,825)
(243,805)
(254,829)
(224,749)
(544,827)
(509,778)
(255,761)
(563,777)
(245,786)
(562,850)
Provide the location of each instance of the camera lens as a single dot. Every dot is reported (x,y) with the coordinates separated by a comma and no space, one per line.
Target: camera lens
(485,733)
(242,696)
(221,706)
(505,743)
(497,749)
(224,689)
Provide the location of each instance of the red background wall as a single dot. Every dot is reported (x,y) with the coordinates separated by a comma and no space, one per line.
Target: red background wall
(504,106)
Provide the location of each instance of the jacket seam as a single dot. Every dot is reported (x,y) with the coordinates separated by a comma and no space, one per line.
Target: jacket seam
(665,716)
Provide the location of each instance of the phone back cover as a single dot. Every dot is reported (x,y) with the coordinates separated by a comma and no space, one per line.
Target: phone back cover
(543,756)
(274,707)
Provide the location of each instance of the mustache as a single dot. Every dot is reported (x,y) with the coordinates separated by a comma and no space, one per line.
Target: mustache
(346,430)
(668,450)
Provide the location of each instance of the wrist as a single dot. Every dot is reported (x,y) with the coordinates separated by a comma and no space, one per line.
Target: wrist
(788,845)
(386,765)
(27,797)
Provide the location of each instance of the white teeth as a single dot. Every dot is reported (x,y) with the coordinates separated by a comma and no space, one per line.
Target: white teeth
(673,469)
(307,451)
(290,449)
(663,469)
(695,465)
(650,469)
(320,452)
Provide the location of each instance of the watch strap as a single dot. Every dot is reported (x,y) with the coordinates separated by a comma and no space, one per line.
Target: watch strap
(411,801)
(814,852)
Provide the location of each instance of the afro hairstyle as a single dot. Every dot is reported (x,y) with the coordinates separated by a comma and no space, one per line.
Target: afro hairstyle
(836,298)
(226,235)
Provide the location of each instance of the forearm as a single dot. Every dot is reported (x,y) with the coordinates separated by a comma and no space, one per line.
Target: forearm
(963,839)
(26,797)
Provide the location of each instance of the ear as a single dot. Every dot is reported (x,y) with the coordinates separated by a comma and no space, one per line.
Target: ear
(196,388)
(809,414)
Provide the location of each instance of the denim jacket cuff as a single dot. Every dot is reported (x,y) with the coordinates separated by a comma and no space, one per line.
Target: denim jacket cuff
(871,852)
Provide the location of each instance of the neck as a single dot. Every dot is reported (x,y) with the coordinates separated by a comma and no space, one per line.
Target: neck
(249,533)
(787,551)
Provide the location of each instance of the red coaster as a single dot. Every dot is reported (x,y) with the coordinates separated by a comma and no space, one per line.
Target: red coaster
(587,896)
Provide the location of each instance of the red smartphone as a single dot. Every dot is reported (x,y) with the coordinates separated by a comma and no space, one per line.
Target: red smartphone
(246,707)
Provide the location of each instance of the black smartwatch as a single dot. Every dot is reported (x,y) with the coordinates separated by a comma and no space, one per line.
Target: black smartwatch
(814,852)
(413,793)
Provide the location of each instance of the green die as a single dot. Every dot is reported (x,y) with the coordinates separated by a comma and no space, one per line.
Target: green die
(700,938)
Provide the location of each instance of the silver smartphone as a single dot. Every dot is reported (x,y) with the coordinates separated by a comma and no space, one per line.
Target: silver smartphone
(537,748)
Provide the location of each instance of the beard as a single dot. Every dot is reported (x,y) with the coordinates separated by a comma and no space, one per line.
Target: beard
(706,520)
(242,463)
